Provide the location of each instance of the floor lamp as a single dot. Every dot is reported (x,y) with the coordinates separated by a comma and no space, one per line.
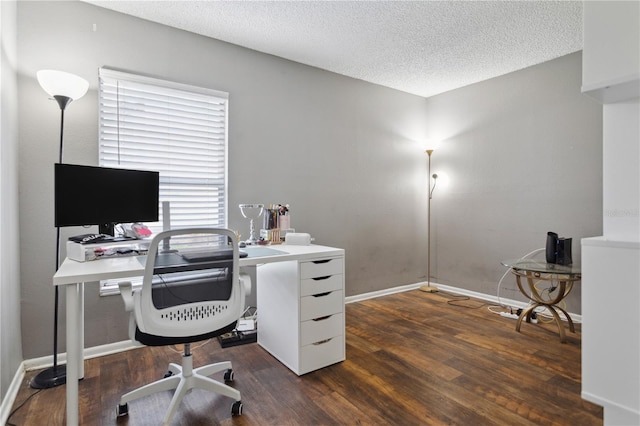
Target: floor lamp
(64,88)
(429,288)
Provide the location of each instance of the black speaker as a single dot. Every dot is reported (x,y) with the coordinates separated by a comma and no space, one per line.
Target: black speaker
(558,250)
(552,243)
(563,256)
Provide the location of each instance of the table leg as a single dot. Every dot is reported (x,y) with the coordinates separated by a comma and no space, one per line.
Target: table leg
(526,313)
(558,320)
(568,317)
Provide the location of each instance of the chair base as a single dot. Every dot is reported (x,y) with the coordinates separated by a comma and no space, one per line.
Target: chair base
(183,379)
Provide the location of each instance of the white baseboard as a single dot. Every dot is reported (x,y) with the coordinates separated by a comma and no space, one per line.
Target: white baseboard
(455,290)
(380,293)
(11,395)
(94,352)
(614,413)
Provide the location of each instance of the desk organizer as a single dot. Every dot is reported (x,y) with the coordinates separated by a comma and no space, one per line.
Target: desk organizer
(88,252)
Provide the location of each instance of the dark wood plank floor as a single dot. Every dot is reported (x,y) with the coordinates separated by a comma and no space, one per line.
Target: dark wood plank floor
(412,359)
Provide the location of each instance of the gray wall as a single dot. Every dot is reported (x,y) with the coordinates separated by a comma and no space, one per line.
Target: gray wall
(10,334)
(524,156)
(342,152)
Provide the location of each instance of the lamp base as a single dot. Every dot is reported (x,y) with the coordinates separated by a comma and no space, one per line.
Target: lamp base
(428,289)
(49,378)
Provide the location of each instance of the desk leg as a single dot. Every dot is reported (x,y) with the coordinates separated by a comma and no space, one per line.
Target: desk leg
(75,367)
(80,329)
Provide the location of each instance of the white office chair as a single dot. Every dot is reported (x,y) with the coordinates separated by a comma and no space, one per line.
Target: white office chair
(192,291)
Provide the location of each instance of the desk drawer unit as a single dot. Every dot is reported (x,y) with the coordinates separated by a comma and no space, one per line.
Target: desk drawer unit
(306,330)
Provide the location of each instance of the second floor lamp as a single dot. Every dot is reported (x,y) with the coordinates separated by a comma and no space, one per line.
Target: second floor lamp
(430,187)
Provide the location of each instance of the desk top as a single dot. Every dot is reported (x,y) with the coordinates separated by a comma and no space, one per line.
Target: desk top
(72,272)
(541,266)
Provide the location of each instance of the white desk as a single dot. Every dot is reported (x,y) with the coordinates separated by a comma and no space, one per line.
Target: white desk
(72,275)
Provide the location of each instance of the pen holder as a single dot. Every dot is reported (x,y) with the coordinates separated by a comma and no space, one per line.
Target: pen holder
(284,221)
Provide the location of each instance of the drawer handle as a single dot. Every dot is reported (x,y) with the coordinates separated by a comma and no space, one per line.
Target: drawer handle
(321,318)
(318,262)
(322,294)
(321,278)
(322,342)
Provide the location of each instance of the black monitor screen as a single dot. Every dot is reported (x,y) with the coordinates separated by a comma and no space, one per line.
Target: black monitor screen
(87,195)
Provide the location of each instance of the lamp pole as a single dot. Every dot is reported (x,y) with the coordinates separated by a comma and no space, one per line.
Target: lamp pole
(429,288)
(57,374)
(54,82)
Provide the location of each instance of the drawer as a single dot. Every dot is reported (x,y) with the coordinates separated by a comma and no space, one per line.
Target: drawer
(322,284)
(321,305)
(321,354)
(323,328)
(322,268)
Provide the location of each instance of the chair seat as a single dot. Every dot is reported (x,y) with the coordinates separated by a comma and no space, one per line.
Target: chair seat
(153,340)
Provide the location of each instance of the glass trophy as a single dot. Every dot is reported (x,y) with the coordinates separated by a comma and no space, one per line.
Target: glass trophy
(251,212)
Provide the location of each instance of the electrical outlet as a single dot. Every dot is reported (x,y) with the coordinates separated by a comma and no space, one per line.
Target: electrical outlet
(508,315)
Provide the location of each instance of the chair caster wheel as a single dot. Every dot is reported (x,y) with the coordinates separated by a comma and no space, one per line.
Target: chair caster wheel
(122,410)
(228,376)
(236,408)
(168,374)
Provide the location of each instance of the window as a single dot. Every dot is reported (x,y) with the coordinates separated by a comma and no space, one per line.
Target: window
(176,129)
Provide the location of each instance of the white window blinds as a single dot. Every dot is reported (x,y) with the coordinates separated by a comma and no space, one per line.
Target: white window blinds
(176,129)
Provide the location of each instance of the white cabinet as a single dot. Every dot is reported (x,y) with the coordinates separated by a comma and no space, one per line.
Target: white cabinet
(610,271)
(610,324)
(301,312)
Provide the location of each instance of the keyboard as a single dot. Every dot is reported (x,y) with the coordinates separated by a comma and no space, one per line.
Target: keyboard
(209,255)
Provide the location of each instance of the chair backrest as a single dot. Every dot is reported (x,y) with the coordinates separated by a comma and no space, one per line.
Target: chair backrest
(191,288)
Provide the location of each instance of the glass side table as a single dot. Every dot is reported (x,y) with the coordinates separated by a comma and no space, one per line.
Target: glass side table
(561,279)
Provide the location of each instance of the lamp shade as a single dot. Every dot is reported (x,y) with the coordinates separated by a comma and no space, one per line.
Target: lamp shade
(60,83)
(430,145)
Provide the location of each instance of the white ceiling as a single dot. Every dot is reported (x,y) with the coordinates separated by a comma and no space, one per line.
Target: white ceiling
(420,47)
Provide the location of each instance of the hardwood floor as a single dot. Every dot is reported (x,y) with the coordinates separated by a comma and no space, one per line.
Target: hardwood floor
(413,358)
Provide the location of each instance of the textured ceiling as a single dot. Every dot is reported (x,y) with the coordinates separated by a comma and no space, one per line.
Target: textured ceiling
(420,47)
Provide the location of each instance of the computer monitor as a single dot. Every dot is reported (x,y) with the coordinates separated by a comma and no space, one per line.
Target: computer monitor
(103,196)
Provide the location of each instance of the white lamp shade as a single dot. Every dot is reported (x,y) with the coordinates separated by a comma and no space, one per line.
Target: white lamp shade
(430,145)
(60,83)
